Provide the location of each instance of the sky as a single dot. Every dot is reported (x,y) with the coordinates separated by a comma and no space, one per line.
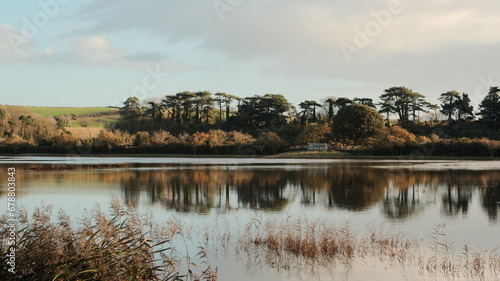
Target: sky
(98,53)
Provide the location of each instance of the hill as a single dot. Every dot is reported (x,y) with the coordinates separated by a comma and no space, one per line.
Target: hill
(81,121)
(57,111)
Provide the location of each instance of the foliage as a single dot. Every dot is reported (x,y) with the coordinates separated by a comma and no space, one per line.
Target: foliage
(490,108)
(314,133)
(394,138)
(262,111)
(404,102)
(355,123)
(142,138)
(131,108)
(308,111)
(161,137)
(455,104)
(270,140)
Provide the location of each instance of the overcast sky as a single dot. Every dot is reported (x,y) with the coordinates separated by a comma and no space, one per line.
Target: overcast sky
(97,53)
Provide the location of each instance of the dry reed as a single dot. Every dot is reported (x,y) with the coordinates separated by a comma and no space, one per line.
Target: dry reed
(123,245)
(299,244)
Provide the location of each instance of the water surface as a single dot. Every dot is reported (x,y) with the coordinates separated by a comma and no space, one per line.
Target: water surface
(408,196)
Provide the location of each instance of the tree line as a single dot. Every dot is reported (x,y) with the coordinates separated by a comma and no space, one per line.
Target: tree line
(221,123)
(261,111)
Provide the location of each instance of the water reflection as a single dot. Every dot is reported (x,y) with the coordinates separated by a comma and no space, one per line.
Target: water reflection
(400,194)
(491,200)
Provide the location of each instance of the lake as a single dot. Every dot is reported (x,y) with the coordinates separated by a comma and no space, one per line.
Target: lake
(411,197)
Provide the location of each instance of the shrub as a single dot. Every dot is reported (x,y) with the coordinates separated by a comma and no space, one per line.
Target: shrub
(237,138)
(356,123)
(270,141)
(314,133)
(63,140)
(109,139)
(394,136)
(161,137)
(141,138)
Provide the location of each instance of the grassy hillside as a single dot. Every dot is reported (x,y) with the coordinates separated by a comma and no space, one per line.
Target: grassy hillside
(56,111)
(80,124)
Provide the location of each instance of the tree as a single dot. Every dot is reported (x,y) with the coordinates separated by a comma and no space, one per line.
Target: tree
(341,102)
(309,108)
(417,104)
(449,103)
(131,108)
(387,107)
(355,123)
(202,102)
(220,97)
(273,106)
(399,99)
(171,103)
(228,99)
(365,101)
(156,111)
(490,107)
(263,110)
(464,109)
(331,103)
(186,100)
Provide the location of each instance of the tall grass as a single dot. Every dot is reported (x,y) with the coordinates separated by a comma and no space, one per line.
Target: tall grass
(300,245)
(123,245)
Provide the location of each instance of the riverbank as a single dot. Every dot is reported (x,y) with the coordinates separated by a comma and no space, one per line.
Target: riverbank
(299,154)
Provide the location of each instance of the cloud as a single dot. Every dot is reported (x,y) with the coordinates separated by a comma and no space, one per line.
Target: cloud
(13,45)
(431,46)
(302,33)
(95,50)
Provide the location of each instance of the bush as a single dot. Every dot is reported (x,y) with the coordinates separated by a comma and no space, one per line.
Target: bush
(64,140)
(141,138)
(162,137)
(393,139)
(314,133)
(271,141)
(356,123)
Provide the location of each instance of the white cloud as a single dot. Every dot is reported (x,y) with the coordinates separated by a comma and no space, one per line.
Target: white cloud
(93,49)
(300,32)
(13,45)
(432,45)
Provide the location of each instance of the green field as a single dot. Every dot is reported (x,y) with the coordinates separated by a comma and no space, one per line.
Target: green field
(56,111)
(79,112)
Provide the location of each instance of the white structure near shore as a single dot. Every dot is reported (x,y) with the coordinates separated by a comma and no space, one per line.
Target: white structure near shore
(317,147)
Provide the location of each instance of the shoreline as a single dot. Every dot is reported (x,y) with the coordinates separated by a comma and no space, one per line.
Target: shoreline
(287,155)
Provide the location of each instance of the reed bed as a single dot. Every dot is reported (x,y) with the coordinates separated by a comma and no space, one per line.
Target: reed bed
(126,245)
(121,245)
(300,244)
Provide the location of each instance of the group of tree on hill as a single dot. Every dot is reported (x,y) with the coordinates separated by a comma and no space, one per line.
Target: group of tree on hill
(202,122)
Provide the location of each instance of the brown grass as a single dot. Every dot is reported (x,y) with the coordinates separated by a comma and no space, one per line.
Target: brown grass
(84,132)
(301,245)
(123,245)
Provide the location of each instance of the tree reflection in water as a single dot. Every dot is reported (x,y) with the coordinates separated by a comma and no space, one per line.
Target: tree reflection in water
(344,186)
(400,194)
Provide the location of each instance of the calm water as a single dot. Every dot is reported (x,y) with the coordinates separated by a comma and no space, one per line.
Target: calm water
(410,196)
